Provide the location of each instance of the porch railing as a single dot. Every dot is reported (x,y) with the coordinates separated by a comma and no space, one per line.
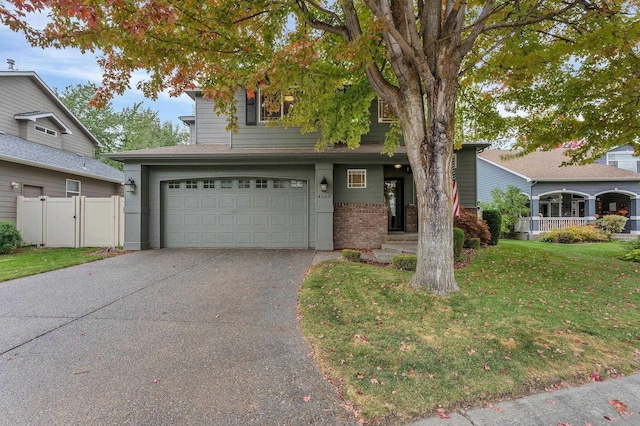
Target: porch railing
(547,224)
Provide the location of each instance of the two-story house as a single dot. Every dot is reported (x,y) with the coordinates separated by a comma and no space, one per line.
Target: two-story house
(267,187)
(44,148)
(562,196)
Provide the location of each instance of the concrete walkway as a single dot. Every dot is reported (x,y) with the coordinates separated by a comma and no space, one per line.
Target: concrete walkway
(162,337)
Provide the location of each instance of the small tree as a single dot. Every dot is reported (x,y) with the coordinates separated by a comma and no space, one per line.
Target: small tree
(511,203)
(613,223)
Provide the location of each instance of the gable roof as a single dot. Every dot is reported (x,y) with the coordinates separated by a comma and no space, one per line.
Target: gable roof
(48,92)
(18,150)
(547,166)
(34,115)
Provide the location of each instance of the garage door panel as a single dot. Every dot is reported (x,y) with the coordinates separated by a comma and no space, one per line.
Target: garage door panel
(257,216)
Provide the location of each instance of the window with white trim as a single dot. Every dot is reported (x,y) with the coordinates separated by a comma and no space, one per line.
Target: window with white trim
(209,184)
(261,183)
(45,130)
(173,184)
(624,160)
(226,184)
(73,187)
(192,184)
(244,183)
(274,106)
(385,112)
(297,184)
(356,178)
(278,184)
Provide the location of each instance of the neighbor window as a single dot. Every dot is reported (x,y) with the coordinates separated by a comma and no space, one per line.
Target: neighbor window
(209,184)
(174,184)
(226,184)
(261,183)
(385,112)
(275,105)
(278,184)
(192,184)
(624,160)
(356,178)
(73,188)
(244,183)
(297,184)
(45,130)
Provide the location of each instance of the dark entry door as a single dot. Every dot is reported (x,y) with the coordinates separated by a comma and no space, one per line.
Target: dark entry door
(393,196)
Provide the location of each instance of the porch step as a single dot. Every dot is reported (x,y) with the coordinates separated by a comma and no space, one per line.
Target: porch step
(394,237)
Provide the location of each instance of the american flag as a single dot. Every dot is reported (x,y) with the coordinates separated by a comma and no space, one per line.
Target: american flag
(456,202)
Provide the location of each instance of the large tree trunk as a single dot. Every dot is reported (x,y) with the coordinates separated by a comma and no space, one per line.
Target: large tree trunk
(430,149)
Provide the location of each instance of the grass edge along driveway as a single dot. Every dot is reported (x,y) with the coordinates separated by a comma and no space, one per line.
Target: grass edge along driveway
(31,261)
(529,317)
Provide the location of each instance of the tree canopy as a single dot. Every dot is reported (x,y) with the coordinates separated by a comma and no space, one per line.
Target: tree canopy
(539,72)
(131,128)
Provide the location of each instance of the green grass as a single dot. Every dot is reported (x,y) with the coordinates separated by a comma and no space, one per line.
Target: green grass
(31,261)
(529,316)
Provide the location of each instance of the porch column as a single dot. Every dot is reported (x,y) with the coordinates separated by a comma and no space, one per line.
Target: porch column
(590,208)
(136,208)
(324,207)
(634,215)
(534,206)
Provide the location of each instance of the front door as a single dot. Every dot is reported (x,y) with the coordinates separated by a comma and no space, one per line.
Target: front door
(393,191)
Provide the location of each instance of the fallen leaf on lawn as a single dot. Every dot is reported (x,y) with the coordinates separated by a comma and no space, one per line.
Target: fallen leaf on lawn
(359,375)
(486,366)
(375,382)
(596,377)
(471,352)
(498,409)
(620,407)
(442,413)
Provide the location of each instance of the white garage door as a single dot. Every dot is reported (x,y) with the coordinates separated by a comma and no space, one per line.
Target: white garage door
(235,212)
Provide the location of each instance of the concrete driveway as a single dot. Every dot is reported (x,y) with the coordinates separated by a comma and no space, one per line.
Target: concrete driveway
(162,337)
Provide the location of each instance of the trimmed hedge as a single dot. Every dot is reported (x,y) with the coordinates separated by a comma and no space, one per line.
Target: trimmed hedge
(351,255)
(458,243)
(406,262)
(575,234)
(474,243)
(494,222)
(10,238)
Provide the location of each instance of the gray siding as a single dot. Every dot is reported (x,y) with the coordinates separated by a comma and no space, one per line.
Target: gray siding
(159,174)
(491,176)
(590,188)
(373,193)
(466,177)
(53,184)
(622,148)
(20,94)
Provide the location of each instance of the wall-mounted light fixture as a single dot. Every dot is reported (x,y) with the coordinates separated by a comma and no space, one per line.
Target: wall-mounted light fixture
(324,184)
(397,166)
(130,185)
(15,185)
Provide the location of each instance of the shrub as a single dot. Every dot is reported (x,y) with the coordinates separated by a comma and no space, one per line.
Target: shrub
(632,256)
(575,234)
(474,243)
(493,218)
(406,262)
(10,238)
(472,226)
(613,223)
(458,243)
(351,255)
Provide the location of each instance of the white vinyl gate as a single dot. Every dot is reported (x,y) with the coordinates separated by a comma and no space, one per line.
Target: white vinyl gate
(71,222)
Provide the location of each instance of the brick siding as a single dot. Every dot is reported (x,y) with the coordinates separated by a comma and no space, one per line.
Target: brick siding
(359,225)
(411,218)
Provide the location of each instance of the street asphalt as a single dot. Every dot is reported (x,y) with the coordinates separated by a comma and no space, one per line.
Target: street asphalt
(206,337)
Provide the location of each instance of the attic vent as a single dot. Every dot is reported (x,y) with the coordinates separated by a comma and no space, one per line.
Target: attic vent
(11,63)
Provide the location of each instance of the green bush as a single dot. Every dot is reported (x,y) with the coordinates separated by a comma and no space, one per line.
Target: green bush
(10,238)
(632,256)
(473,243)
(575,234)
(406,262)
(458,243)
(613,223)
(494,222)
(351,255)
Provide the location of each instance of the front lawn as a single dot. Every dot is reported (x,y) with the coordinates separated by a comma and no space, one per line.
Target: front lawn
(529,316)
(30,261)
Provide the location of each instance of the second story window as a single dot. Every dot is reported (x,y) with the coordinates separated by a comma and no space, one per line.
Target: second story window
(385,112)
(45,130)
(624,160)
(274,106)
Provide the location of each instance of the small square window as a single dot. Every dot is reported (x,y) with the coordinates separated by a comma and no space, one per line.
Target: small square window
(278,184)
(356,178)
(73,188)
(261,183)
(209,184)
(385,112)
(297,184)
(192,184)
(244,183)
(226,184)
(174,184)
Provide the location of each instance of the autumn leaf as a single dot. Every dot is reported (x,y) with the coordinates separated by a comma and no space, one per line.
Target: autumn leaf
(620,407)
(596,377)
(307,398)
(442,413)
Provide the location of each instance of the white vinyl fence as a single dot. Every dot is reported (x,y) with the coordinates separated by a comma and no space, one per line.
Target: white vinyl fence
(71,222)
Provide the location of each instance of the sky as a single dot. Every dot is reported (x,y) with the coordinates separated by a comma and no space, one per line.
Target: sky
(60,68)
